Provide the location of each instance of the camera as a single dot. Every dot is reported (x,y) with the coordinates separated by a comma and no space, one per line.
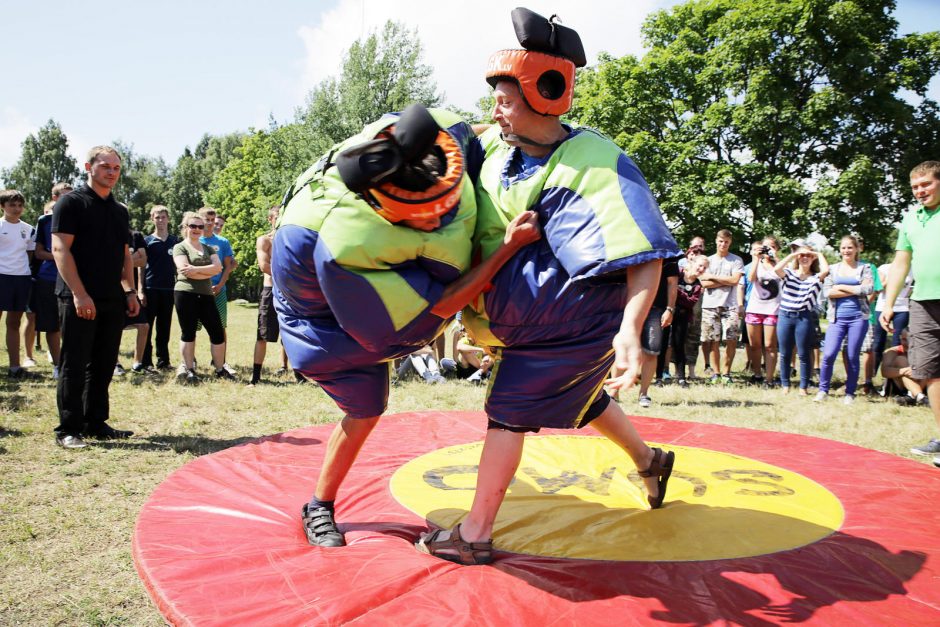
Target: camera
(765,250)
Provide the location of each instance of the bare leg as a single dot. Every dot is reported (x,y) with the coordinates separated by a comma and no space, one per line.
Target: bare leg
(54,343)
(284,362)
(730,348)
(29,334)
(502,451)
(261,347)
(141,342)
(615,425)
(188,353)
(13,337)
(770,352)
(707,354)
(341,451)
(646,373)
(755,344)
(933,395)
(218,354)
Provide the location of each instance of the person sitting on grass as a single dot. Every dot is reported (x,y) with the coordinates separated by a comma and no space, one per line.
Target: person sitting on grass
(896,367)
(367,263)
(473,362)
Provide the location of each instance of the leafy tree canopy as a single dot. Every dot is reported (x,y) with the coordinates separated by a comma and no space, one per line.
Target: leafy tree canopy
(380,74)
(44,161)
(773,116)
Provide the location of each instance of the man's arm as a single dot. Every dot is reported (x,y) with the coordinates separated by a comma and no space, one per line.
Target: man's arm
(127,283)
(899,269)
(672,291)
(65,262)
(41,253)
(642,283)
(228,264)
(521,231)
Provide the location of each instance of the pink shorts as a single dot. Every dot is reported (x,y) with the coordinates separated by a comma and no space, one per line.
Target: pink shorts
(756,319)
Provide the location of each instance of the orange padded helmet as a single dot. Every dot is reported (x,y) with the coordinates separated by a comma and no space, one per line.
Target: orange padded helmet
(545,80)
(411,170)
(544,70)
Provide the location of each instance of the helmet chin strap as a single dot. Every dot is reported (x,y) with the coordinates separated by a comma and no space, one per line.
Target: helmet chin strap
(520,139)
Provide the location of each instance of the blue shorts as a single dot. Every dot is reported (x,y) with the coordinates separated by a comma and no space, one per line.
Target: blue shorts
(14,292)
(359,392)
(549,385)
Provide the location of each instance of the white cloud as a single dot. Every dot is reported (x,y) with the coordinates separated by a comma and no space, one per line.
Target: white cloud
(459,36)
(14,128)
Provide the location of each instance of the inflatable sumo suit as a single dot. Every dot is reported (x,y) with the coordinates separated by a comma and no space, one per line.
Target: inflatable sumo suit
(552,311)
(353,290)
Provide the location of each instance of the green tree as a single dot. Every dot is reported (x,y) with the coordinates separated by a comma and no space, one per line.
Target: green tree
(773,116)
(383,73)
(195,170)
(44,161)
(263,167)
(144,182)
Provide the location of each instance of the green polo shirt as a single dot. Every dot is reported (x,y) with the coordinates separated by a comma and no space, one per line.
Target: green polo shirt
(919,235)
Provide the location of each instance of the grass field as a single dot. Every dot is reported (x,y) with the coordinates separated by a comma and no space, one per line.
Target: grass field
(68,516)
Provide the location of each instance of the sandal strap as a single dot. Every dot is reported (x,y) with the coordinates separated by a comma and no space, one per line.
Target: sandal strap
(655,469)
(466,551)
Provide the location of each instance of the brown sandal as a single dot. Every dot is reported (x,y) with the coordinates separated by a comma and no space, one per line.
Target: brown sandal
(456,549)
(661,468)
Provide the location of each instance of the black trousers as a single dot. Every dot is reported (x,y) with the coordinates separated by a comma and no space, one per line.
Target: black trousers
(159,308)
(89,353)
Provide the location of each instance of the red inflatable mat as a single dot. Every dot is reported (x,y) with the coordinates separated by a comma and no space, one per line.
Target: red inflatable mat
(220,542)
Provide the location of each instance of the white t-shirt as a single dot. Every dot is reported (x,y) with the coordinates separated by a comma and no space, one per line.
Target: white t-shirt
(727,295)
(15,240)
(765,292)
(902,303)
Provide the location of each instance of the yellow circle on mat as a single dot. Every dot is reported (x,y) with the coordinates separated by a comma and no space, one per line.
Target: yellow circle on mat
(581,497)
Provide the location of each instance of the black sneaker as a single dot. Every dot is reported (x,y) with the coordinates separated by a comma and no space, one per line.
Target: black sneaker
(683,383)
(119,370)
(191,377)
(905,401)
(320,527)
(222,373)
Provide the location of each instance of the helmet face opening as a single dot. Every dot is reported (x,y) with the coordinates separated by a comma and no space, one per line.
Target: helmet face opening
(396,198)
(410,170)
(545,80)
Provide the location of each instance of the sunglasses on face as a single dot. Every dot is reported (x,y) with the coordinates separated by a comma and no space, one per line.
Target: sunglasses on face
(196,226)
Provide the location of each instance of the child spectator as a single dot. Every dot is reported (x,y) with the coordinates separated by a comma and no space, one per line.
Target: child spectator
(688,295)
(43,300)
(16,252)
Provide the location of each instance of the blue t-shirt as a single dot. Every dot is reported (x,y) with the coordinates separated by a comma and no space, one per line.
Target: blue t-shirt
(47,269)
(223,250)
(160,273)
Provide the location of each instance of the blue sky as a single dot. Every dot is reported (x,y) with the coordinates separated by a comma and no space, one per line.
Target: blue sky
(159,75)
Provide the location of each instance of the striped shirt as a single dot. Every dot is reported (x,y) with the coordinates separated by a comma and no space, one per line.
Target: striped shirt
(799,294)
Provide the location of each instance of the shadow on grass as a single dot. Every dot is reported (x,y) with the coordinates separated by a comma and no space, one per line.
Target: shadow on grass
(725,402)
(196,444)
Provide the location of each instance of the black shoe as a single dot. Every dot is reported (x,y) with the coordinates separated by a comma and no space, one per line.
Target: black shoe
(222,373)
(905,401)
(164,365)
(67,440)
(321,528)
(107,432)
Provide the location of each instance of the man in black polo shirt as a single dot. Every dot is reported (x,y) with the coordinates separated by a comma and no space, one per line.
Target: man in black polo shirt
(159,278)
(95,288)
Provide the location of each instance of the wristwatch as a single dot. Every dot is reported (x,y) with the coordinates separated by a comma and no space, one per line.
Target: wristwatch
(670,309)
